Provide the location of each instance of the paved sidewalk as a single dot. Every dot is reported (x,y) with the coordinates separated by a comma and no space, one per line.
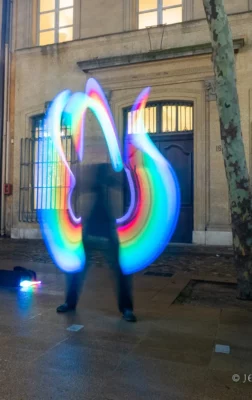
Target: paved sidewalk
(211,260)
(168,355)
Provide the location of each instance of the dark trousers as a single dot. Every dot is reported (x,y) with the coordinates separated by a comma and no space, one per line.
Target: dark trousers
(123,282)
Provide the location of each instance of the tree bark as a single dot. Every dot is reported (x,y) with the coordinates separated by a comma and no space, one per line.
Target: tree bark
(232,143)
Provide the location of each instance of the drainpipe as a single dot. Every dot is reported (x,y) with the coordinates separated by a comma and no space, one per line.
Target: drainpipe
(4,104)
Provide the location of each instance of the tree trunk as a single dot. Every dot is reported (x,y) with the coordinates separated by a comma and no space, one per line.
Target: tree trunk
(232,143)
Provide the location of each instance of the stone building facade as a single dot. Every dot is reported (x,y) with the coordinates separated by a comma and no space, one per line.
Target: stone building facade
(173,56)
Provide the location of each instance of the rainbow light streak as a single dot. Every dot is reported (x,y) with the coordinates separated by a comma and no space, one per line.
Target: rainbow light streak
(155,195)
(150,227)
(61,230)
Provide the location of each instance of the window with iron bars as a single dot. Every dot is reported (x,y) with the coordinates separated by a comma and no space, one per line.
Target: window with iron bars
(39,176)
(169,117)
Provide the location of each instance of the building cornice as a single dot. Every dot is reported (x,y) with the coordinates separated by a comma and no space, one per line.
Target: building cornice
(150,56)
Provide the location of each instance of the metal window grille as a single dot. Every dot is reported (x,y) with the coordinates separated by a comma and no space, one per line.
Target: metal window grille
(163,117)
(150,120)
(55,21)
(39,177)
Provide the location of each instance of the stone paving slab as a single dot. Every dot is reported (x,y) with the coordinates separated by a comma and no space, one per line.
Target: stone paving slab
(168,355)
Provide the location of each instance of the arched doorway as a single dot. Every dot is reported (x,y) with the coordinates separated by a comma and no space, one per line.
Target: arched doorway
(170,126)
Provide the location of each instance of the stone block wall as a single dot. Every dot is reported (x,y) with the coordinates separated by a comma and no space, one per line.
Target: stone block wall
(41,73)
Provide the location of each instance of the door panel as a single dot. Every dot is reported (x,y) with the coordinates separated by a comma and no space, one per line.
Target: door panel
(178,150)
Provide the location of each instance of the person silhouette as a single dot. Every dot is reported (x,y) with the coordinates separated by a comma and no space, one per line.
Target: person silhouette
(94,183)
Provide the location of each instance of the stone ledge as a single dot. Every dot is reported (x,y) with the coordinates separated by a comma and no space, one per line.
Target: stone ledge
(212,238)
(25,233)
(156,55)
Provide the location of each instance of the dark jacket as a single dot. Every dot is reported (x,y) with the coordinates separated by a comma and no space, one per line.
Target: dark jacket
(94,190)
